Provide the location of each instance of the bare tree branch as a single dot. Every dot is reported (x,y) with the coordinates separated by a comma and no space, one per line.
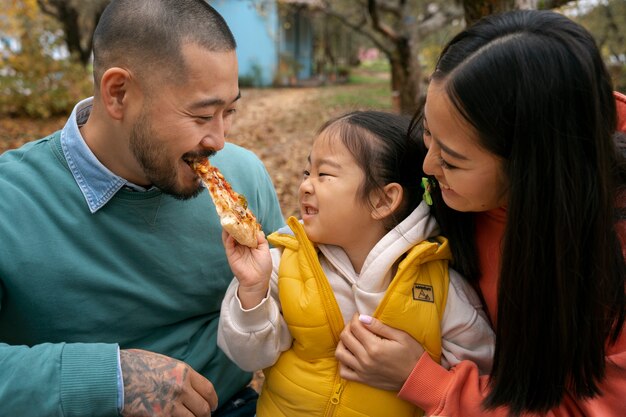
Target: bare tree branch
(378,25)
(551,4)
(45,7)
(389,7)
(438,18)
(359,27)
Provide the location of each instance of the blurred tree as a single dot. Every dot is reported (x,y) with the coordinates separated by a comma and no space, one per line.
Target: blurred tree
(36,79)
(78,19)
(401,30)
(607,23)
(475,9)
(395,28)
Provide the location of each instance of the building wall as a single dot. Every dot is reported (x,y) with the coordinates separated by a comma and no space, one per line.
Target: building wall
(296,41)
(256,36)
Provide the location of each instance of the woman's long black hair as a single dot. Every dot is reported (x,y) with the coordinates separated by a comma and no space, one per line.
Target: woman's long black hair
(535,88)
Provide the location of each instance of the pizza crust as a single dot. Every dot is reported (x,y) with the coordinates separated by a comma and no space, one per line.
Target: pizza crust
(232,207)
(244,235)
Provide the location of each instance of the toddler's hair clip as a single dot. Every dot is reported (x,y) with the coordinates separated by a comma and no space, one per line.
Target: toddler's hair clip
(428,185)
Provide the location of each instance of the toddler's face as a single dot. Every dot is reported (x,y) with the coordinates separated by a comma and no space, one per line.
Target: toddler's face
(330,206)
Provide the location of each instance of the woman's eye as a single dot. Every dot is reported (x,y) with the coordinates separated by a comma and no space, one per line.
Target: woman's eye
(444,164)
(305,173)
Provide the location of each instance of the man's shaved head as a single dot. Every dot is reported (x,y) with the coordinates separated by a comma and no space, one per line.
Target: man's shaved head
(146,36)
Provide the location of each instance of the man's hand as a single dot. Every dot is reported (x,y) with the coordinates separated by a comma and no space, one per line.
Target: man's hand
(159,386)
(376,354)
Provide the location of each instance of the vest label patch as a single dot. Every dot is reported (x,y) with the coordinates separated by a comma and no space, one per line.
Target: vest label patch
(423,293)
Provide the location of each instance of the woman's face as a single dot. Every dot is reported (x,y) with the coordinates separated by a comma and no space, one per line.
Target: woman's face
(470,177)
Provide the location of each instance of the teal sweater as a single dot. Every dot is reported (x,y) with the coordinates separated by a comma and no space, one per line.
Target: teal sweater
(146,271)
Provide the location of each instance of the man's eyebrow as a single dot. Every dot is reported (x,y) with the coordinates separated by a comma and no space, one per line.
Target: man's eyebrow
(212,102)
(446,149)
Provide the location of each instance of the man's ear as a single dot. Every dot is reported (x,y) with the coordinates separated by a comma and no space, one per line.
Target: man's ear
(387,200)
(114,87)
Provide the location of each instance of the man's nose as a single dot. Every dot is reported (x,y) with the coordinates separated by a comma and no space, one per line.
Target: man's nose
(216,136)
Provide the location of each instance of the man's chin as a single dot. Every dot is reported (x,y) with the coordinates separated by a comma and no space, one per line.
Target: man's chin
(186,194)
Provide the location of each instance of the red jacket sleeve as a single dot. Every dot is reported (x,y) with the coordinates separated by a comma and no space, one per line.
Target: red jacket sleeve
(460,391)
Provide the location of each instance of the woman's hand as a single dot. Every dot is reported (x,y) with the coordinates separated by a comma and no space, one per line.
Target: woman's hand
(252,268)
(376,354)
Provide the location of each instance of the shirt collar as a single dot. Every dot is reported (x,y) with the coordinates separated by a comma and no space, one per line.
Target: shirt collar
(97,183)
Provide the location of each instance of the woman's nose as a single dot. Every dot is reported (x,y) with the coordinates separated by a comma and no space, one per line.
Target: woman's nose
(430,164)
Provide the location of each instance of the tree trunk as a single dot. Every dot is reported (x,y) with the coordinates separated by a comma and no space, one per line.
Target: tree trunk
(405,79)
(475,9)
(69,19)
(77,28)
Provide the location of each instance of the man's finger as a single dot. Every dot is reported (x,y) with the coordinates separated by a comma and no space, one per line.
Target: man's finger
(206,391)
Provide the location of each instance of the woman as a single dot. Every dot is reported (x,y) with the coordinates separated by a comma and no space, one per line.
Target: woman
(520,124)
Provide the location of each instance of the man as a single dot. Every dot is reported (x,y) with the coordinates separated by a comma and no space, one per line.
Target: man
(112,269)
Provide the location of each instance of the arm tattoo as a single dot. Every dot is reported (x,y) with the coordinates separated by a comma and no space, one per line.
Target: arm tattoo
(152,382)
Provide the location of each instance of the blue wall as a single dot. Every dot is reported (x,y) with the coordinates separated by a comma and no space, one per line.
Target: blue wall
(256,36)
(297,41)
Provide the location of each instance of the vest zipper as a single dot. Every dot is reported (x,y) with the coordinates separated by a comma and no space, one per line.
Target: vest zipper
(335,398)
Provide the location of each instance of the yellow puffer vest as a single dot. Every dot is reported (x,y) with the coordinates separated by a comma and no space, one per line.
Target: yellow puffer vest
(305,380)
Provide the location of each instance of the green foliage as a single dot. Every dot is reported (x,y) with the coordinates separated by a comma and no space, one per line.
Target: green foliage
(363,78)
(36,80)
(364,95)
(41,86)
(377,65)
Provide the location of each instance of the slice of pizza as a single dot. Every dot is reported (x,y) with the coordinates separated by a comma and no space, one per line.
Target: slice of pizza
(232,207)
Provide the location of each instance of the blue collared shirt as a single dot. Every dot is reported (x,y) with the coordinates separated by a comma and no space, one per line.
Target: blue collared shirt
(97,183)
